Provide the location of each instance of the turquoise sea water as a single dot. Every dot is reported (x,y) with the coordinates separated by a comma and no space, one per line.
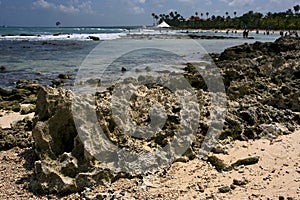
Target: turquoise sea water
(42,53)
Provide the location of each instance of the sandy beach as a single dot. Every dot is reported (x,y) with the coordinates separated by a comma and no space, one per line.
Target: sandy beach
(277,174)
(150,100)
(256,155)
(8,117)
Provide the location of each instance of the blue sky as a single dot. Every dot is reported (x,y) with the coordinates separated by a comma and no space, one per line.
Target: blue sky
(122,12)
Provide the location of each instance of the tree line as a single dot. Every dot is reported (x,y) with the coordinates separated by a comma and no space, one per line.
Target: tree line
(288,20)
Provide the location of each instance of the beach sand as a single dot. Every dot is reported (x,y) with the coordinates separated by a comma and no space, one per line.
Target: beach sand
(9,117)
(276,174)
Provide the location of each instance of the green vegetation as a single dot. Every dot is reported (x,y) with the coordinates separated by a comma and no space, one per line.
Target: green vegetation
(288,20)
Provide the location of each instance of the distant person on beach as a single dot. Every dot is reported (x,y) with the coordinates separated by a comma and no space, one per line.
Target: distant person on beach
(245,33)
(281,33)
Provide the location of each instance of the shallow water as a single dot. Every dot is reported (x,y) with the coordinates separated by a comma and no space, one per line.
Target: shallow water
(42,56)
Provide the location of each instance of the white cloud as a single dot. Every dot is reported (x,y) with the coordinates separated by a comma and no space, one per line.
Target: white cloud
(135,6)
(240,3)
(159,3)
(138,10)
(277,1)
(208,2)
(87,7)
(135,2)
(72,7)
(68,9)
(196,2)
(43,4)
(186,1)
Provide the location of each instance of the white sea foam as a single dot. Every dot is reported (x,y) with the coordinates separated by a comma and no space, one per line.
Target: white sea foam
(78,37)
(104,34)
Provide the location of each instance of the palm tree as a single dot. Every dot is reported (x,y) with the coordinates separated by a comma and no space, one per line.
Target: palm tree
(297,8)
(226,13)
(58,23)
(201,14)
(269,14)
(207,13)
(153,16)
(289,12)
(156,18)
(196,13)
(172,14)
(234,14)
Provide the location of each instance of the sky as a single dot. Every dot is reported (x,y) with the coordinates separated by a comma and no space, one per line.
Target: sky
(123,12)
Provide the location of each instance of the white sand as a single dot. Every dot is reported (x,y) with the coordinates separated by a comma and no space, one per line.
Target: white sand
(276,174)
(9,117)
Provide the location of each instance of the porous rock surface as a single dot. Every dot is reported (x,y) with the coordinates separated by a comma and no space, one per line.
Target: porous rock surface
(262,85)
(262,82)
(64,166)
(19,135)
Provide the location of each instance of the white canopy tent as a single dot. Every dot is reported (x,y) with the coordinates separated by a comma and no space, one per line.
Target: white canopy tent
(163,25)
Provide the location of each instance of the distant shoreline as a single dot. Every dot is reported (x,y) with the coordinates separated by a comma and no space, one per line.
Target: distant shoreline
(177,36)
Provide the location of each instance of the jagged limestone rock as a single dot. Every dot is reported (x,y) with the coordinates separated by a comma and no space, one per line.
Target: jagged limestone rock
(263,92)
(63,166)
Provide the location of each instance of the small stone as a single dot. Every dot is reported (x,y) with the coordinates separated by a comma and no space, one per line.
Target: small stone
(297,179)
(58,83)
(232,186)
(240,182)
(224,189)
(94,38)
(199,188)
(218,163)
(65,76)
(255,195)
(16,108)
(28,109)
(219,149)
(246,161)
(281,198)
(2,68)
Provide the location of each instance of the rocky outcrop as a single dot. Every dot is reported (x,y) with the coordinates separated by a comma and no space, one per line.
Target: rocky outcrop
(54,134)
(94,38)
(262,85)
(67,163)
(19,135)
(64,166)
(25,92)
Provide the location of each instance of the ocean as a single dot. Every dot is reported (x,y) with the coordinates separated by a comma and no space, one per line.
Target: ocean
(42,53)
